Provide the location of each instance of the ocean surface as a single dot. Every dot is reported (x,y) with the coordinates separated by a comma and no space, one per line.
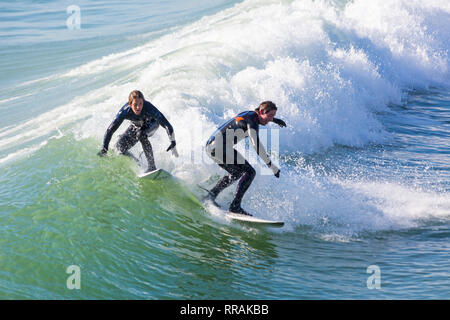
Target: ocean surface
(364,190)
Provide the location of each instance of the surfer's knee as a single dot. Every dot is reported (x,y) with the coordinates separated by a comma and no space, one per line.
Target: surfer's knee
(126,141)
(124,145)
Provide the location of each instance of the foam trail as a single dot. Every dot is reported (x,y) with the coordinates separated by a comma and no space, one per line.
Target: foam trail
(21,153)
(341,209)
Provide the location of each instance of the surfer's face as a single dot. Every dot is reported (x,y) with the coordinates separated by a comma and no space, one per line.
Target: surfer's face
(136,105)
(265,118)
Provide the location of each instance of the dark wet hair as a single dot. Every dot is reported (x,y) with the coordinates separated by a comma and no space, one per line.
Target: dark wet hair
(266,106)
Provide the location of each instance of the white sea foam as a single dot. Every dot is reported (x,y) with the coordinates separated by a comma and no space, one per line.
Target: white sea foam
(343,207)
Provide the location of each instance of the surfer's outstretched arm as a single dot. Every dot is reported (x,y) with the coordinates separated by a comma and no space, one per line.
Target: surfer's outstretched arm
(261,151)
(279,122)
(109,133)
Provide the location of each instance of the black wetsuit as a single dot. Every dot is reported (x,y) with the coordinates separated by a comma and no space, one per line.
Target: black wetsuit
(142,126)
(220,147)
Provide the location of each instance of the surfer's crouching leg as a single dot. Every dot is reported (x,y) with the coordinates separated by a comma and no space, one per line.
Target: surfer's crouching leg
(126,141)
(239,168)
(148,151)
(143,135)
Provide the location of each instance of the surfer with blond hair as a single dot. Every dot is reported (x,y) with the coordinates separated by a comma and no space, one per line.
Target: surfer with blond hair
(145,120)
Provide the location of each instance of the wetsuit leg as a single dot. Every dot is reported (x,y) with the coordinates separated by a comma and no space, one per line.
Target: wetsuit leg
(148,151)
(150,128)
(147,131)
(247,174)
(244,172)
(226,180)
(127,140)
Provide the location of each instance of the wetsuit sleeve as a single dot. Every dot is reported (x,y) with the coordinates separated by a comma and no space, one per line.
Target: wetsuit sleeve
(112,128)
(166,125)
(279,122)
(260,150)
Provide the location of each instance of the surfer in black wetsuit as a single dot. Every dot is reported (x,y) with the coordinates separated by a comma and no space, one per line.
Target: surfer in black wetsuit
(145,119)
(220,148)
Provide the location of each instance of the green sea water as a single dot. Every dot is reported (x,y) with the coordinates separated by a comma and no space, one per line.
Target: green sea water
(143,239)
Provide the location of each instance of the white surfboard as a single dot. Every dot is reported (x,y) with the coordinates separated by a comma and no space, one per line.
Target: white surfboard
(156,174)
(215,208)
(253,220)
